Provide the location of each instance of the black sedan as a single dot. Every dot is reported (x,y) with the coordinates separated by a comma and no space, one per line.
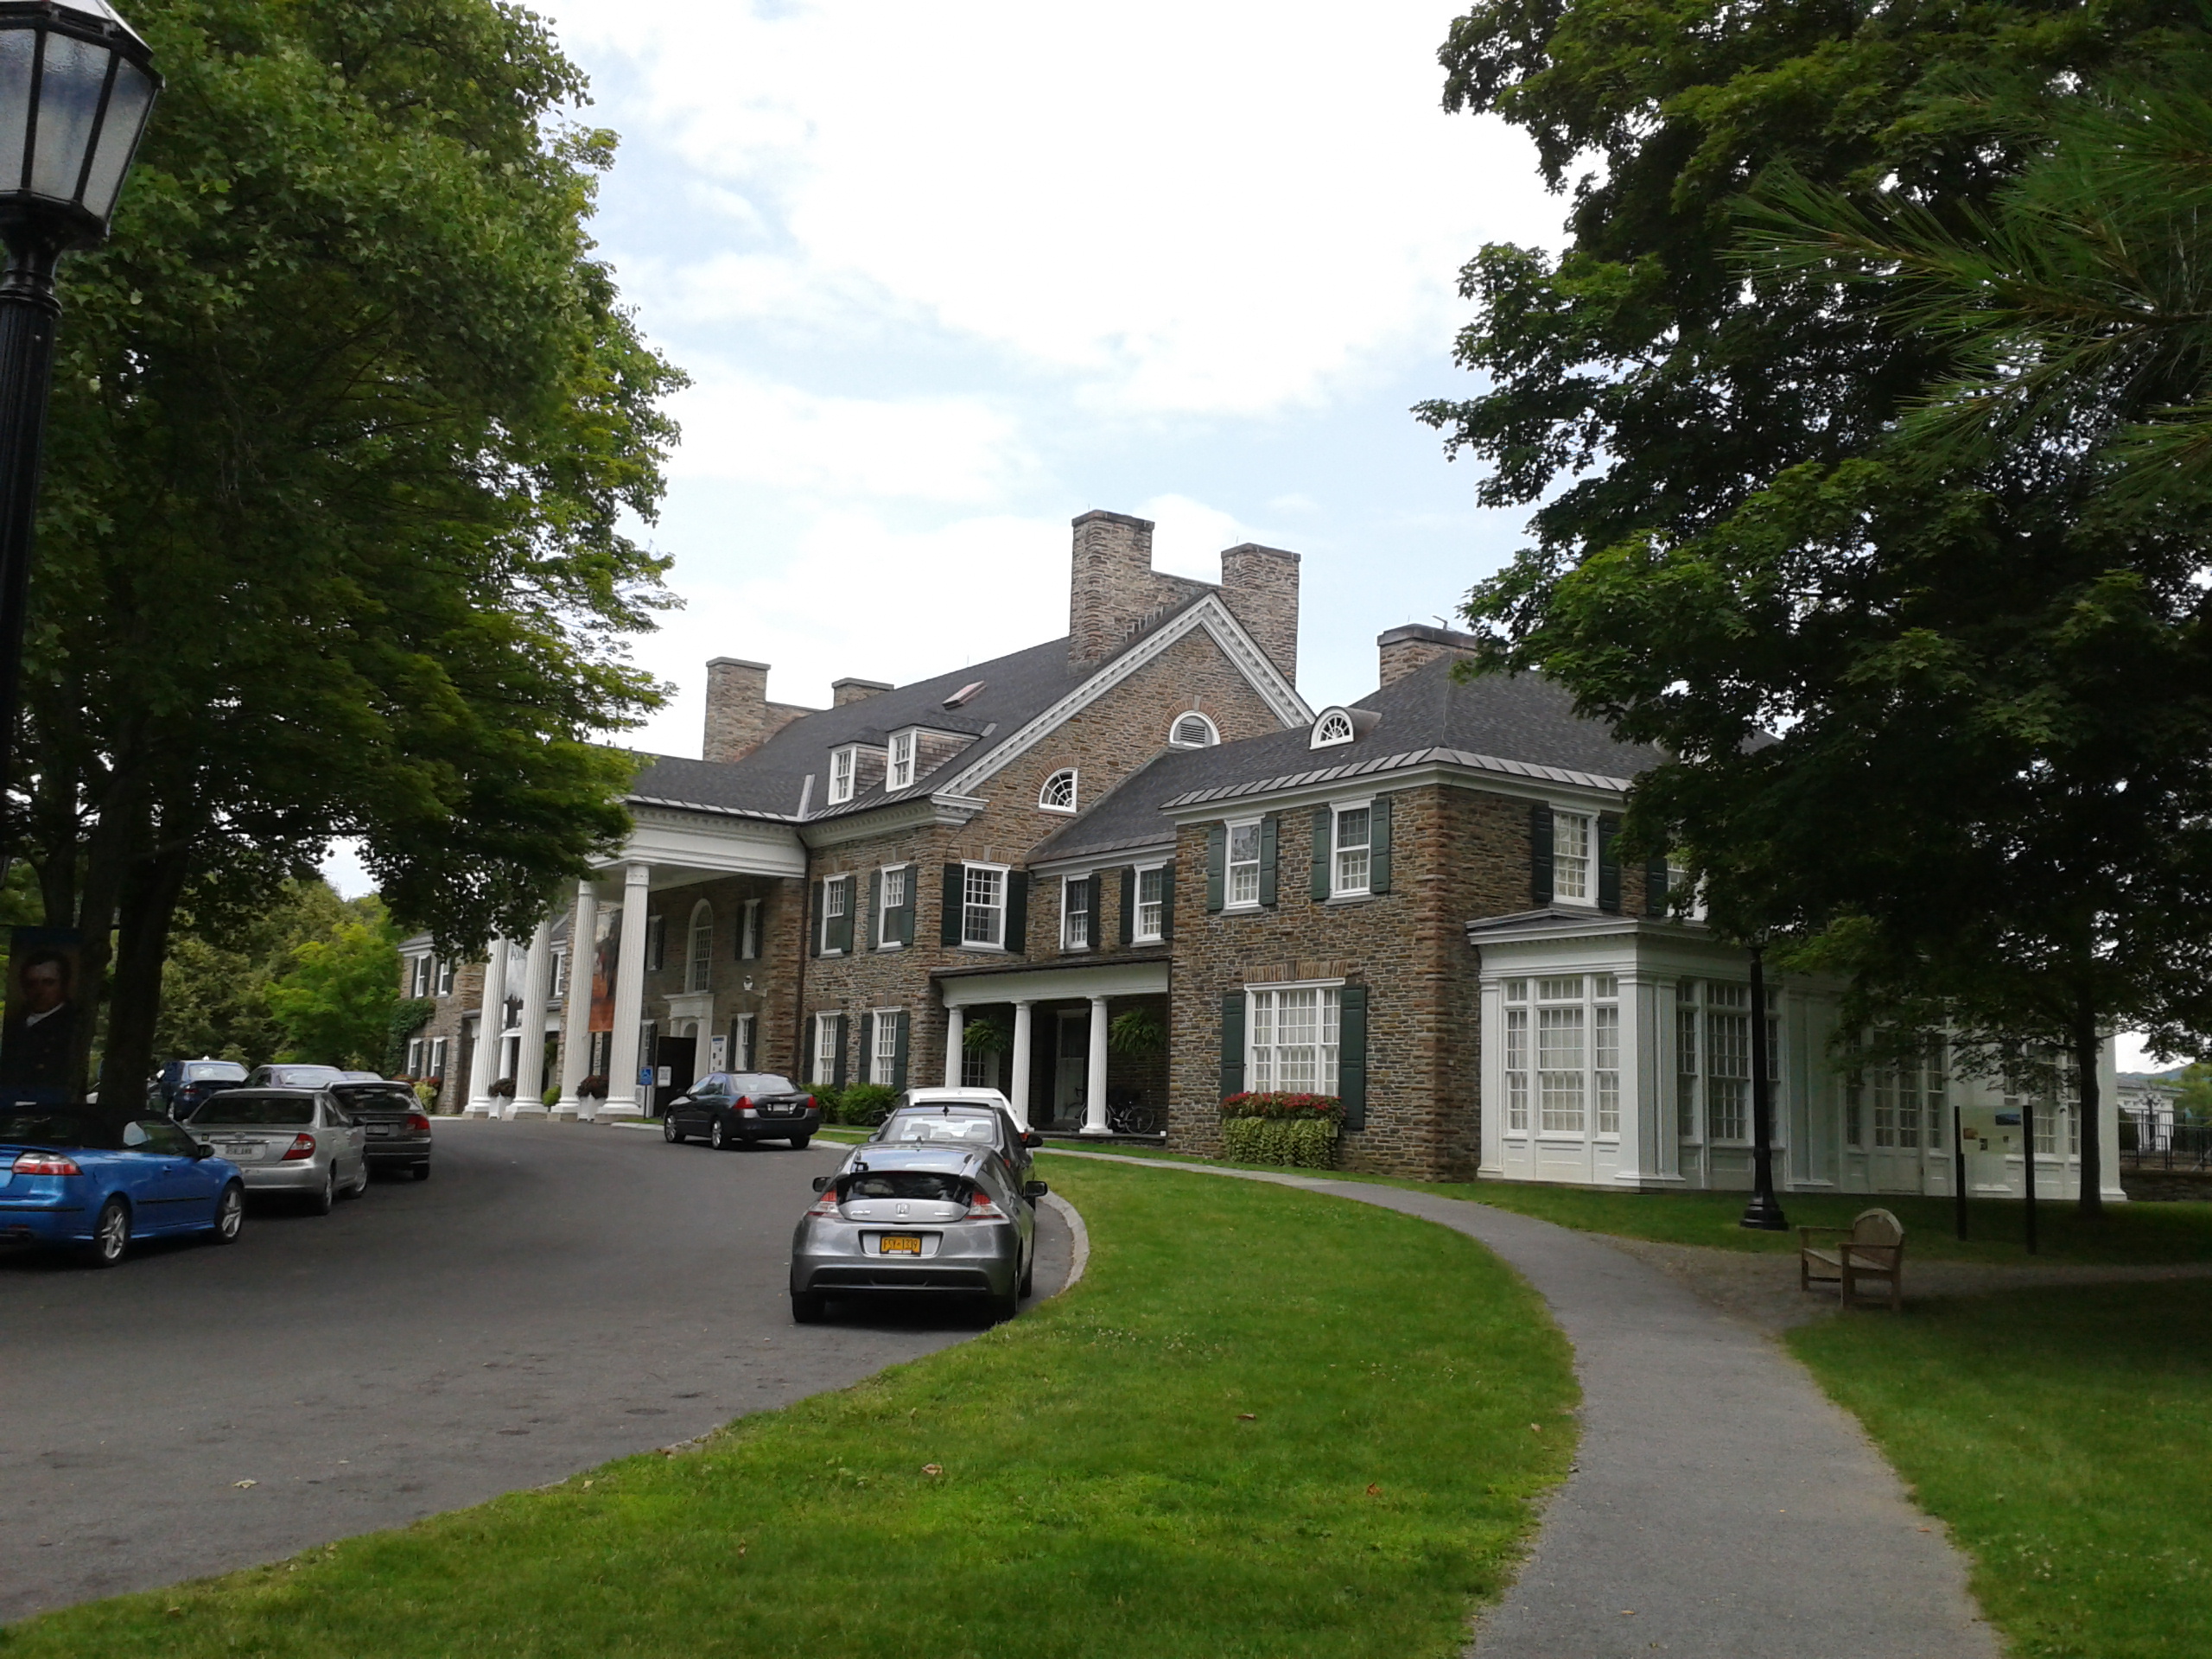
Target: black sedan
(398,1129)
(727,1108)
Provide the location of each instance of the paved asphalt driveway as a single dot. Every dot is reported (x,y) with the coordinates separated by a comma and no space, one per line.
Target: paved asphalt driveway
(554,1296)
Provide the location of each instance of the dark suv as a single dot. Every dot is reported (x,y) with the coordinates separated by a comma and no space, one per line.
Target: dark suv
(727,1107)
(182,1085)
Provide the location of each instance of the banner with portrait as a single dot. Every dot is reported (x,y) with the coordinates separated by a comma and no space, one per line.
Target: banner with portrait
(605,947)
(39,1028)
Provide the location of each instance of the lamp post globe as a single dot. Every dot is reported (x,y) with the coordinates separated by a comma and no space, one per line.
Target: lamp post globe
(76,86)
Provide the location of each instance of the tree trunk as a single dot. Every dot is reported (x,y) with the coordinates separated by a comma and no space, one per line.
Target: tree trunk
(2085,1046)
(147,911)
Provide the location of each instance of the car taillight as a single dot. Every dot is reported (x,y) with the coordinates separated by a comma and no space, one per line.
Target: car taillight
(826,1204)
(980,1208)
(46,1163)
(807,1105)
(302,1146)
(417,1122)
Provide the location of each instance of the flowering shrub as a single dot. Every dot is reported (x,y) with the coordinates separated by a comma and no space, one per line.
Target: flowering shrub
(1294,1107)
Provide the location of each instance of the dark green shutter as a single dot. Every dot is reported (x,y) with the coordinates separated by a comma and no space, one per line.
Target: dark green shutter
(1167,901)
(913,903)
(837,1073)
(1352,1054)
(1540,855)
(1324,834)
(876,910)
(1096,885)
(1378,842)
(1609,864)
(1232,1042)
(1217,862)
(949,928)
(1128,905)
(1654,887)
(1017,911)
(868,1048)
(1267,859)
(844,934)
(814,920)
(898,1056)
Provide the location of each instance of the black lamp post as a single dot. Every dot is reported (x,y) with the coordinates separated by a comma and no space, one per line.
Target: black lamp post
(1764,1212)
(76,86)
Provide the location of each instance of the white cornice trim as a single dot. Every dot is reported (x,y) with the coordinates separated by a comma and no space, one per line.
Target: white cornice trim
(887,820)
(1207,612)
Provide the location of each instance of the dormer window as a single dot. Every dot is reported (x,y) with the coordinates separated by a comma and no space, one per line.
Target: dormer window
(1058,793)
(1334,727)
(899,772)
(844,765)
(1193,731)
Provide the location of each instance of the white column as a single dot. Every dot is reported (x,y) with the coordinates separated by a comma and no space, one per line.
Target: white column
(956,1031)
(623,1095)
(576,1039)
(491,1025)
(1021,1024)
(530,1053)
(1639,1145)
(1094,1089)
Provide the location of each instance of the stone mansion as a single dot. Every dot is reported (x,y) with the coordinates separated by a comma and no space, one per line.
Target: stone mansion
(1132,866)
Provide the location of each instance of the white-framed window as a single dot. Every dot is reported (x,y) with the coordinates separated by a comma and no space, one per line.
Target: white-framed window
(420,970)
(1151,905)
(740,1042)
(1901,1107)
(1563,1061)
(983,903)
(445,977)
(825,1048)
(437,1057)
(699,955)
(655,942)
(1354,830)
(1605,1050)
(418,1052)
(837,900)
(899,764)
(1075,913)
(1334,727)
(1712,1061)
(1193,731)
(1574,858)
(895,880)
(748,930)
(844,767)
(1563,1049)
(1058,792)
(1516,1051)
(1291,1038)
(1243,888)
(560,973)
(979,1069)
(883,1056)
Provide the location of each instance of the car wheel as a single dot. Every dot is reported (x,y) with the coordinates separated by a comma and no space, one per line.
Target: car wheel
(361,1182)
(799,1142)
(1002,1308)
(230,1215)
(319,1204)
(1029,1276)
(808,1308)
(717,1137)
(110,1235)
(422,1170)
(668,1132)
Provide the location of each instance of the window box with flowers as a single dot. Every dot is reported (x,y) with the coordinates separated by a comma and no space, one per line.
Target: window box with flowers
(1297,1131)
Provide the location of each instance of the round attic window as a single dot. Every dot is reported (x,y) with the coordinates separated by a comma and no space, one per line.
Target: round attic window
(1334,727)
(1193,731)
(1058,793)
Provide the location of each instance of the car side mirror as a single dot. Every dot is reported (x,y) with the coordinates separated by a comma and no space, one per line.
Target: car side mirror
(1035,1190)
(1031,1138)
(201,1149)
(821,1183)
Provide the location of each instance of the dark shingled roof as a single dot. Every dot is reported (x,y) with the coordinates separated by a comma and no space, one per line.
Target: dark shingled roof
(1520,723)
(769,781)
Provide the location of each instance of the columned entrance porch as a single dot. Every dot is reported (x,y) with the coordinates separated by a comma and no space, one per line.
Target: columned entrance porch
(1056,1060)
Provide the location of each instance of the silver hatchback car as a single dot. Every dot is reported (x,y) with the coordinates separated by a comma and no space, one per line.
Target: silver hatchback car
(928,1219)
(299,1141)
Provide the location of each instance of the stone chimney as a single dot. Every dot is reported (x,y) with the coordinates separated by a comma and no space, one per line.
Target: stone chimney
(842,692)
(1414,646)
(1110,586)
(1260,586)
(740,717)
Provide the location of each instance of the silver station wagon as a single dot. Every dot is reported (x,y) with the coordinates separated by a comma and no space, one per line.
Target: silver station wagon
(298,1141)
(929,1219)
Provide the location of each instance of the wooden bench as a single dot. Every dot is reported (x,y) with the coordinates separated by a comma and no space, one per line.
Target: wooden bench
(1873,1246)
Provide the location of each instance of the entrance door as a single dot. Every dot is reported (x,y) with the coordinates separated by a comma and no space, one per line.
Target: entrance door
(673,1058)
(1071,1065)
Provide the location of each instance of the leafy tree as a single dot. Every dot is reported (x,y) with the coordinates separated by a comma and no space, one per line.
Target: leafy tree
(335,1003)
(345,423)
(215,985)
(1920,719)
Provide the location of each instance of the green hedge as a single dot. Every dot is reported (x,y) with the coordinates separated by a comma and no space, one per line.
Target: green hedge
(863,1105)
(1297,1143)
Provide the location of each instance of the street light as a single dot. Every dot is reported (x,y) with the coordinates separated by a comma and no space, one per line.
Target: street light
(76,86)
(1764,1213)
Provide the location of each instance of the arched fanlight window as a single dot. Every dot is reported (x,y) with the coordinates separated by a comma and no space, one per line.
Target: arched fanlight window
(1058,793)
(1193,731)
(699,962)
(1334,727)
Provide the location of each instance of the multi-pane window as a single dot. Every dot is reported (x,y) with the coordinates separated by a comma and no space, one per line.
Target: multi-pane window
(883,1060)
(419,979)
(1058,792)
(1152,899)
(895,900)
(982,914)
(1560,1062)
(825,1048)
(1244,863)
(837,897)
(1354,831)
(445,977)
(1565,1052)
(1075,913)
(1712,1063)
(748,930)
(1293,1039)
(1907,1101)
(1572,833)
(1516,1057)
(740,1043)
(1687,1050)
(2049,1104)
(979,1069)
(844,765)
(899,765)
(699,961)
(438,1057)
(417,1053)
(655,942)
(1334,727)
(1605,1050)
(560,973)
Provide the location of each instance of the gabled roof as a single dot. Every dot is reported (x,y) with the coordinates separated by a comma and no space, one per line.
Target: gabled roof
(1516,725)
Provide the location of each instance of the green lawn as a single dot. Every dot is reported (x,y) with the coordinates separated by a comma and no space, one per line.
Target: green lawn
(1266,1425)
(2066,1438)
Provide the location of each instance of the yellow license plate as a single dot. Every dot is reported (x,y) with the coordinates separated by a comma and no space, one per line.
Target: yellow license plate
(900,1244)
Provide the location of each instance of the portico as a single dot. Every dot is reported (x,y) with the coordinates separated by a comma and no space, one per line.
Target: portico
(1051,1011)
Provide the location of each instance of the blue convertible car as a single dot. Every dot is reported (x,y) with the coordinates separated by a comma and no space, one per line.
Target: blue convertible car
(70,1178)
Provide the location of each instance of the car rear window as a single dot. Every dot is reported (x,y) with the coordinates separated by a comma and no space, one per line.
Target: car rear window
(235,1106)
(215,1071)
(926,1185)
(377,1097)
(760,1082)
(967,1128)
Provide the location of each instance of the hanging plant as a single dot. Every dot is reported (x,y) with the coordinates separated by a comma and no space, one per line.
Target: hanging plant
(1140,1034)
(986,1037)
